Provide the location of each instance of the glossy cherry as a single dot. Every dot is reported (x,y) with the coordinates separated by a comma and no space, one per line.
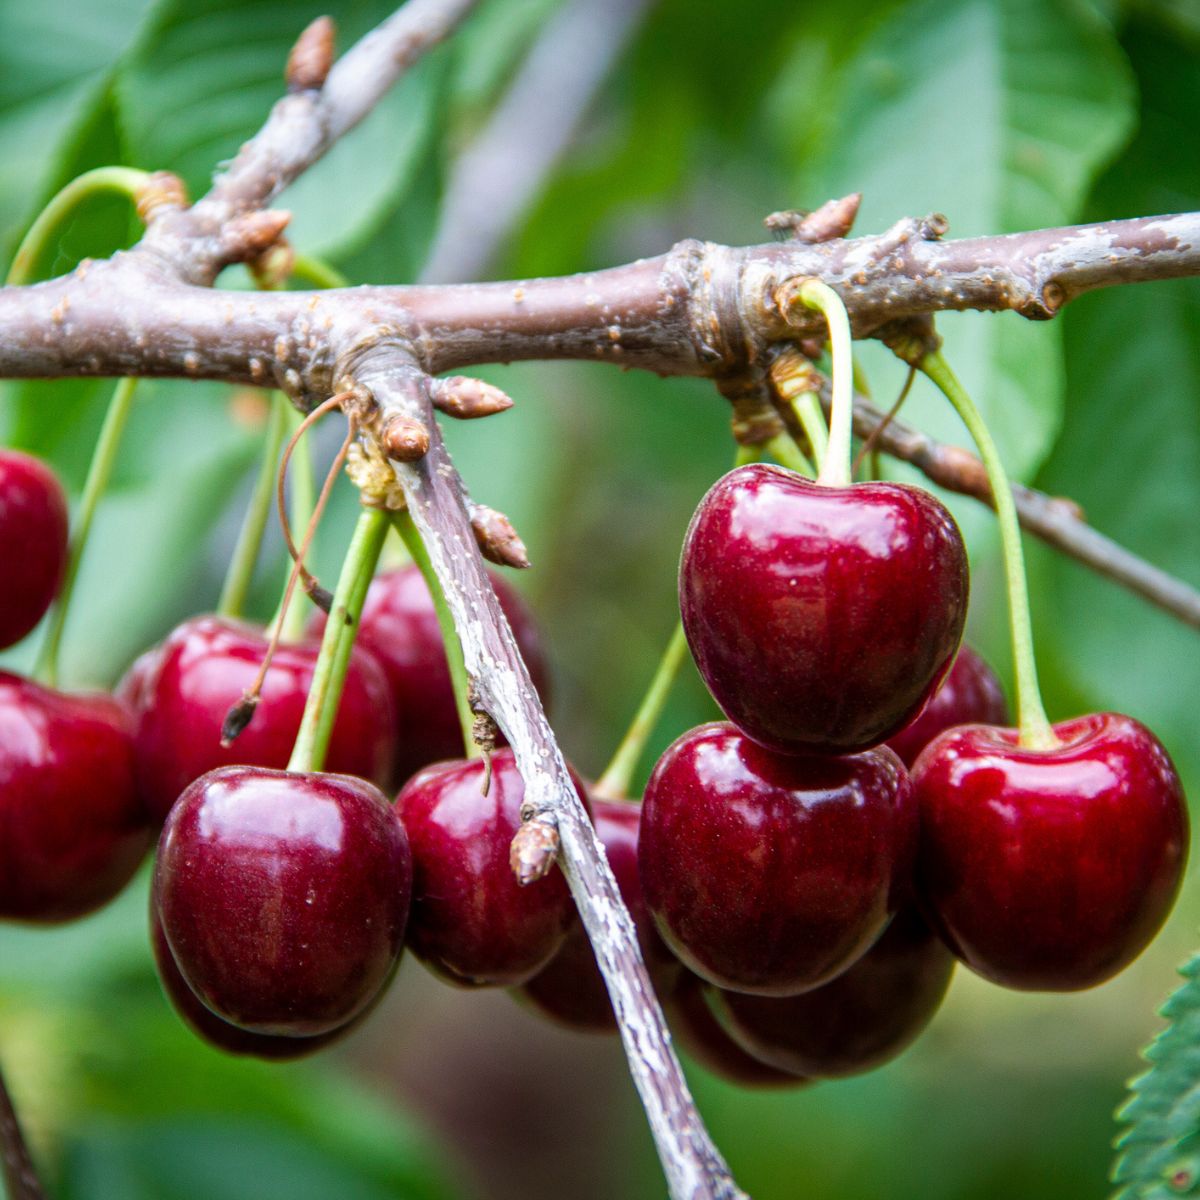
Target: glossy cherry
(33,542)
(400,627)
(769,873)
(969,695)
(283,896)
(570,989)
(181,690)
(221,1034)
(472,923)
(858,1021)
(1049,869)
(821,618)
(71,830)
(700,1036)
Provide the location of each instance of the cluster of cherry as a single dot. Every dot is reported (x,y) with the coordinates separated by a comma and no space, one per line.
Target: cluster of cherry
(798,895)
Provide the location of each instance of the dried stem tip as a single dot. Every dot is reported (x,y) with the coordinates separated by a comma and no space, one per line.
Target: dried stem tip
(311,56)
(237,718)
(161,192)
(405,439)
(248,236)
(497,538)
(792,374)
(466,398)
(832,220)
(533,850)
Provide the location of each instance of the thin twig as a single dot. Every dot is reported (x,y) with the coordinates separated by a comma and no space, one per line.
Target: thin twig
(21,1180)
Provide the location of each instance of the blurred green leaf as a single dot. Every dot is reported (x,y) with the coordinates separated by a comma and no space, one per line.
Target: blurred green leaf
(55,59)
(998,113)
(204,77)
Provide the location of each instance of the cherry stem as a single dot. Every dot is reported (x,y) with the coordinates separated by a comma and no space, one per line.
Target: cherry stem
(126,181)
(747,454)
(614,783)
(104,458)
(302,505)
(835,466)
(333,660)
(807,408)
(459,678)
(1035,730)
(871,445)
(782,447)
(319,274)
(245,554)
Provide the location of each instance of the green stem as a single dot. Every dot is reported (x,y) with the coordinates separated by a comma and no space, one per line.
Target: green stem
(784,450)
(746,455)
(614,783)
(835,466)
(318,273)
(329,675)
(453,647)
(104,457)
(302,501)
(808,409)
(1036,732)
(254,523)
(124,180)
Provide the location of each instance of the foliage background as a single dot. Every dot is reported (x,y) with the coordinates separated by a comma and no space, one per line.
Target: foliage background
(1004,114)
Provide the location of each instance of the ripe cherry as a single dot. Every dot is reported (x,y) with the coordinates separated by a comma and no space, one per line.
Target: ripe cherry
(221,1034)
(969,695)
(1049,869)
(400,627)
(570,989)
(71,830)
(702,1038)
(856,1022)
(821,618)
(472,923)
(768,873)
(33,542)
(181,690)
(283,896)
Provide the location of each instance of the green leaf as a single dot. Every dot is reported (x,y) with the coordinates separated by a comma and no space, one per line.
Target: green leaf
(55,60)
(1158,1155)
(204,77)
(998,113)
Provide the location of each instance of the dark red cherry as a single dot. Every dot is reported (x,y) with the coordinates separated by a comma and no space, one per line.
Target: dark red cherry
(399,625)
(72,832)
(220,1034)
(969,695)
(283,896)
(1049,869)
(699,1034)
(182,689)
(769,873)
(821,618)
(570,989)
(33,542)
(472,923)
(856,1022)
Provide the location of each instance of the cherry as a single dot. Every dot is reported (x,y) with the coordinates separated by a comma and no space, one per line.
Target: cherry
(472,923)
(400,627)
(969,695)
(821,618)
(570,989)
(33,542)
(768,873)
(71,830)
(858,1021)
(221,1034)
(181,690)
(1049,869)
(702,1038)
(283,896)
